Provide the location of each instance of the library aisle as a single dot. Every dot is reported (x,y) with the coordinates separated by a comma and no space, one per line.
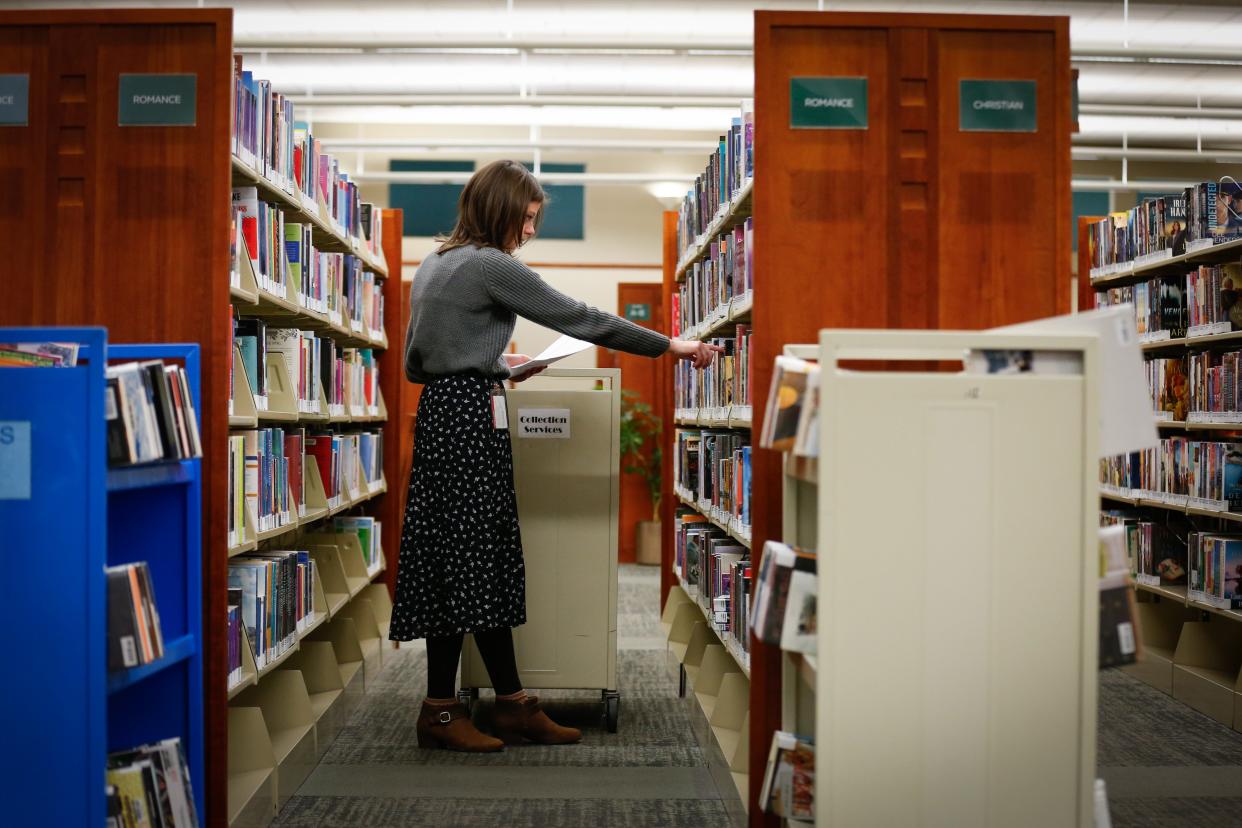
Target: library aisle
(1165,764)
(660,769)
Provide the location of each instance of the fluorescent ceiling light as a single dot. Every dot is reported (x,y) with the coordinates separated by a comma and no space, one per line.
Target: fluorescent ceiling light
(618,118)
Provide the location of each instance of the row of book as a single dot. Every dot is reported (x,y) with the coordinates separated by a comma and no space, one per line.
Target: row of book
(349,376)
(268,479)
(1174,551)
(369,532)
(287,264)
(1202,473)
(728,170)
(38,354)
(275,594)
(727,272)
(134,634)
(1156,552)
(791,417)
(1202,302)
(714,467)
(150,414)
(1205,214)
(789,777)
(1215,569)
(268,137)
(786,592)
(1198,387)
(723,383)
(716,568)
(149,787)
(1168,388)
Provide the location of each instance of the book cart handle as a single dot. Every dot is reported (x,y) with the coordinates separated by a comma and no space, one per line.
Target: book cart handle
(948,346)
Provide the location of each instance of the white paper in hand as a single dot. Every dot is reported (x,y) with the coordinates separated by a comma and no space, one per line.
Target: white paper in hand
(564,347)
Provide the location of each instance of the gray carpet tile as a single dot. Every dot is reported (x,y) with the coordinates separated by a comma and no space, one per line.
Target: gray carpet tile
(1139,725)
(375,812)
(652,772)
(1177,812)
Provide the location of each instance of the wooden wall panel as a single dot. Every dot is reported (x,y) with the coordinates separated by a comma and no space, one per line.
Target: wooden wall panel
(907,224)
(125,227)
(1002,208)
(24,154)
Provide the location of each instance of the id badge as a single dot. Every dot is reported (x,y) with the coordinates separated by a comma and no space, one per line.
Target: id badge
(500,415)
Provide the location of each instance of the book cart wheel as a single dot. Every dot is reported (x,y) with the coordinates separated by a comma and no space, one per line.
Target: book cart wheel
(467,696)
(612,709)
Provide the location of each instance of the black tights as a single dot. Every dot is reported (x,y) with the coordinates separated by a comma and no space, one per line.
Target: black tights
(496,647)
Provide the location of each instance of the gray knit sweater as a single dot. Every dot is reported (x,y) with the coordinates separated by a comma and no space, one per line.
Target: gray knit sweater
(464,304)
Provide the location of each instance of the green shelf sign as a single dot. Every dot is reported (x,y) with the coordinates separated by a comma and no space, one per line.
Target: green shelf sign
(827,103)
(996,106)
(14,100)
(638,313)
(157,100)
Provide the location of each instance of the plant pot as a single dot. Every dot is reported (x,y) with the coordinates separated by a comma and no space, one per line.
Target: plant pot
(648,545)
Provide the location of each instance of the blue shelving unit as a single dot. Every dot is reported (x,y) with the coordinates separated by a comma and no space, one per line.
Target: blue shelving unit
(62,711)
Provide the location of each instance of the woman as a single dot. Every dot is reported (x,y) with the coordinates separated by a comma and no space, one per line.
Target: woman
(460,569)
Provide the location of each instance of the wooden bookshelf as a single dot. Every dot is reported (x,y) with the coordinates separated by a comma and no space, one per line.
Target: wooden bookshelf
(909,223)
(129,227)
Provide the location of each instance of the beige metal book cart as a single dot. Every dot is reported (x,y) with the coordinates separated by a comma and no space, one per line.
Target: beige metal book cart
(566,461)
(944,690)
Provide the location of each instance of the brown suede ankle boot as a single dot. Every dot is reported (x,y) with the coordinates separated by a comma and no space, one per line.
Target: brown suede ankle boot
(520,719)
(448,726)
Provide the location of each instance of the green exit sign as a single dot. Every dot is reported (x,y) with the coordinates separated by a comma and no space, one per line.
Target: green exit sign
(156,100)
(638,313)
(996,106)
(828,103)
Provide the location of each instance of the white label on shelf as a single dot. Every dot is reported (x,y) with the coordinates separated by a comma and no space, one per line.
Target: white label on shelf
(1164,416)
(1125,637)
(1155,256)
(1148,580)
(15,459)
(260,402)
(1212,329)
(543,423)
(1154,336)
(1199,244)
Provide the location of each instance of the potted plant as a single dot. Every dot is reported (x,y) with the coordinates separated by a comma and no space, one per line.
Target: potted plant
(641,455)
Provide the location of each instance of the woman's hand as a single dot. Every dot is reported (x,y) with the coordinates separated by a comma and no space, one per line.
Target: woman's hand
(514,360)
(699,353)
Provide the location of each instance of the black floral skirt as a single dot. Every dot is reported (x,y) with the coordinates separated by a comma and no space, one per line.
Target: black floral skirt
(460,569)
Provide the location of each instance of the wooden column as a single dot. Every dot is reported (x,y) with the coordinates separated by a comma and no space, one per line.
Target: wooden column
(391,505)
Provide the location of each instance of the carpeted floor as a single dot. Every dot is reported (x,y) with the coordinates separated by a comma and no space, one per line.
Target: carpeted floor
(653,773)
(1166,765)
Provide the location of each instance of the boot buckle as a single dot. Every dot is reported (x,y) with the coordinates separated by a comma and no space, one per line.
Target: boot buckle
(446,717)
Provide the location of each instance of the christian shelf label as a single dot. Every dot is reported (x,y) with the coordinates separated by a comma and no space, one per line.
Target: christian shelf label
(543,423)
(14,100)
(996,106)
(828,103)
(157,100)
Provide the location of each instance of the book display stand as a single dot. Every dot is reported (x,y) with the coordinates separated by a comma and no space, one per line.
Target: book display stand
(66,516)
(910,213)
(935,712)
(130,227)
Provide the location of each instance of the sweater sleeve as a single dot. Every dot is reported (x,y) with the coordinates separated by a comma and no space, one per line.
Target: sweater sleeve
(520,289)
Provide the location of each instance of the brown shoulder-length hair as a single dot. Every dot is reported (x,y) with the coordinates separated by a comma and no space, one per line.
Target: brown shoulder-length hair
(492,207)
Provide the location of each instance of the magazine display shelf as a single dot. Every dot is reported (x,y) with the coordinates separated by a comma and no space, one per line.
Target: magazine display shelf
(77,517)
(964,675)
